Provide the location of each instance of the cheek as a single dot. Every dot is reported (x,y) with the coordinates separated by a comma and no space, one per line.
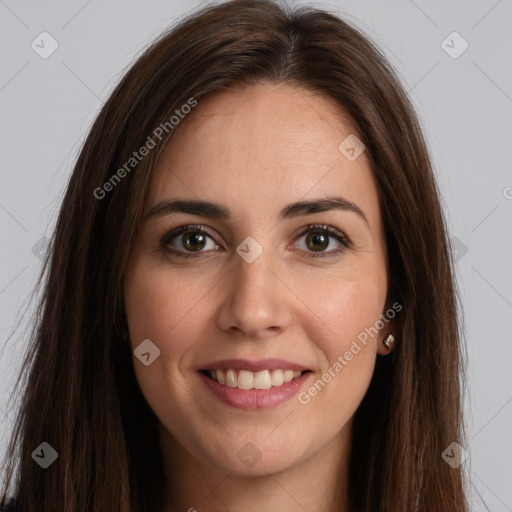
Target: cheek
(345,308)
(165,308)
(158,304)
(345,329)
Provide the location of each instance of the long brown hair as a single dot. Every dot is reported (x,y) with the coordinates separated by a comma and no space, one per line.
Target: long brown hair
(81,395)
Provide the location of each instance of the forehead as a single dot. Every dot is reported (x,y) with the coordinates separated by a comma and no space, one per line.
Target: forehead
(267,143)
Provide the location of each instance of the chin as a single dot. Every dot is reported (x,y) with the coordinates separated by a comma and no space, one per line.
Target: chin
(255,455)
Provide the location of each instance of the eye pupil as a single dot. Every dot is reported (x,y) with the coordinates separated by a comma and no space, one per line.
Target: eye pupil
(193,239)
(316,237)
(197,238)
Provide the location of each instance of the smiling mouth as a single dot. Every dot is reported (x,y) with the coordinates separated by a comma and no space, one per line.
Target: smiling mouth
(246,380)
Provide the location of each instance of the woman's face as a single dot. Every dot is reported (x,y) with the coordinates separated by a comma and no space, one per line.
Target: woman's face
(259,293)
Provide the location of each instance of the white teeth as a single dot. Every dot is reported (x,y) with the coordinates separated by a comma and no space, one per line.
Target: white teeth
(288,375)
(231,379)
(254,380)
(262,380)
(245,380)
(277,377)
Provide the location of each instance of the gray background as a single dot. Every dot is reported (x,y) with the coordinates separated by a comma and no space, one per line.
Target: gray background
(465,106)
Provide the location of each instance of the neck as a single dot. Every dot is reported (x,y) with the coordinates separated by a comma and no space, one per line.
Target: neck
(312,484)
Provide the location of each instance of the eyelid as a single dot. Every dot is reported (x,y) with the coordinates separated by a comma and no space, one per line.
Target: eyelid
(174,232)
(329,230)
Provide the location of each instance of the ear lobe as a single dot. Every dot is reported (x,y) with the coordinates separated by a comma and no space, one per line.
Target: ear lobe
(386,344)
(391,332)
(388,337)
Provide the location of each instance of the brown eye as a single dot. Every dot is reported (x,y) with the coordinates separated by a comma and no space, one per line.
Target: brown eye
(187,241)
(318,238)
(317,241)
(193,240)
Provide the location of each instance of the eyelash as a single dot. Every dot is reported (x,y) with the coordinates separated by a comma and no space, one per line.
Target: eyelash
(318,228)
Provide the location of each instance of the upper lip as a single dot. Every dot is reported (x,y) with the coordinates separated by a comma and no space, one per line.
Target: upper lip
(254,366)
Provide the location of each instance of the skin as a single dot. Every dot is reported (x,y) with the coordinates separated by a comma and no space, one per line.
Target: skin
(255,150)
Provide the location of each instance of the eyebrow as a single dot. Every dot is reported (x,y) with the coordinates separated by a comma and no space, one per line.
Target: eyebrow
(217,211)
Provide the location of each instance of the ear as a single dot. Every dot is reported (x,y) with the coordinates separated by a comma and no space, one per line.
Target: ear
(392,326)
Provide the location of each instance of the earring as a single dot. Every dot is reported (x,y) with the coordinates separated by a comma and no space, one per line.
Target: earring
(389,342)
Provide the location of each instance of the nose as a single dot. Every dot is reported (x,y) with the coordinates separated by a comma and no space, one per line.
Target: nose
(256,300)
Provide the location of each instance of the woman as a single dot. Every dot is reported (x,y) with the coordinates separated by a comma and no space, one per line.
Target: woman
(308,356)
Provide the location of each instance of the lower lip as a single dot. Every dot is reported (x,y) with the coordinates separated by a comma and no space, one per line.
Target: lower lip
(255,398)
